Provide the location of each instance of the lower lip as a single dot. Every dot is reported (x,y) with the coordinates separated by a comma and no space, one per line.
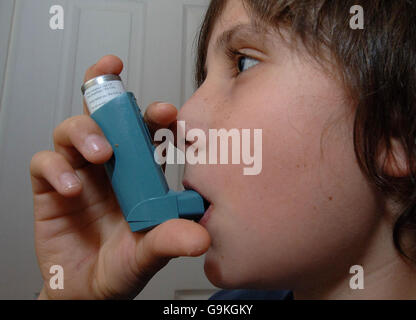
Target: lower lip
(206,216)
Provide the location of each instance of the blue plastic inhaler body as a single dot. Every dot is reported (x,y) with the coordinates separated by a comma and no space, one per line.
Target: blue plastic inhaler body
(137,179)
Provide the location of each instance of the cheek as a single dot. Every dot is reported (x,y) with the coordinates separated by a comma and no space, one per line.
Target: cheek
(303,209)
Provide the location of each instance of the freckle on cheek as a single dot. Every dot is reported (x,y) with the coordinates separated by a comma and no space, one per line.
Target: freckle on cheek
(330,198)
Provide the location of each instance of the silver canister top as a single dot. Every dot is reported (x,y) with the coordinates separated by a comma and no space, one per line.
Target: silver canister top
(100,90)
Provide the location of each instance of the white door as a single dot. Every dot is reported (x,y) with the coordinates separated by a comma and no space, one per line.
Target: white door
(41,71)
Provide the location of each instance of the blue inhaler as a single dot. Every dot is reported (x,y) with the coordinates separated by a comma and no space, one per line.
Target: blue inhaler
(137,179)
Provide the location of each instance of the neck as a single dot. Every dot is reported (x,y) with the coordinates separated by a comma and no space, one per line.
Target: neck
(386,274)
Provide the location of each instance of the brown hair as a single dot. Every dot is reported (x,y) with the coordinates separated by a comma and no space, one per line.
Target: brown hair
(378,67)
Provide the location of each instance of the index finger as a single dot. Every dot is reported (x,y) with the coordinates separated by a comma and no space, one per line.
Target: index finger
(106,65)
(159,115)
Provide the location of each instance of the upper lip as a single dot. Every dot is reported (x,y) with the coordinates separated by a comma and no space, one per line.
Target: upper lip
(188,186)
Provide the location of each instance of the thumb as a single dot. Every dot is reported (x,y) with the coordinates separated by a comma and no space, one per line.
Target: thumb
(171,239)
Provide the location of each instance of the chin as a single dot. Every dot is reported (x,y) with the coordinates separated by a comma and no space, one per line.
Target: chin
(221,274)
(214,270)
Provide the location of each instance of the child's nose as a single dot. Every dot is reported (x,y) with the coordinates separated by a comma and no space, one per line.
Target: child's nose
(196,112)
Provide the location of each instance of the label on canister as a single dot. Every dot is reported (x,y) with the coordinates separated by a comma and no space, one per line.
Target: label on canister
(101,90)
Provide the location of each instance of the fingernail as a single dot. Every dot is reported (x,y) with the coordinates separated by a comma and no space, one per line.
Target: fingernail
(96,143)
(69,180)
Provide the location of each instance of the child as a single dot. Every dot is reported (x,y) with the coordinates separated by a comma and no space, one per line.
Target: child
(337,186)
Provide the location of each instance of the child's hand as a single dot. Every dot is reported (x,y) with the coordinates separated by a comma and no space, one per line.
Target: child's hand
(81,227)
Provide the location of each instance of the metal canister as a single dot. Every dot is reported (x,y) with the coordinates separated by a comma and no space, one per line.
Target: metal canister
(100,90)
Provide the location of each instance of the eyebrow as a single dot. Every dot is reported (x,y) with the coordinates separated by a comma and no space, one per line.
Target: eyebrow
(240,31)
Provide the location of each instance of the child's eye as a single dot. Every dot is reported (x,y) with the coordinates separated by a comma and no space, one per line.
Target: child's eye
(245,61)
(239,62)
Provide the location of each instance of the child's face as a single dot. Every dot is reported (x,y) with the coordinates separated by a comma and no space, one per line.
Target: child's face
(305,214)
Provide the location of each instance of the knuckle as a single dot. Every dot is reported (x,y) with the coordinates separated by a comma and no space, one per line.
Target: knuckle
(56,132)
(40,159)
(66,125)
(75,123)
(51,158)
(150,108)
(39,156)
(35,160)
